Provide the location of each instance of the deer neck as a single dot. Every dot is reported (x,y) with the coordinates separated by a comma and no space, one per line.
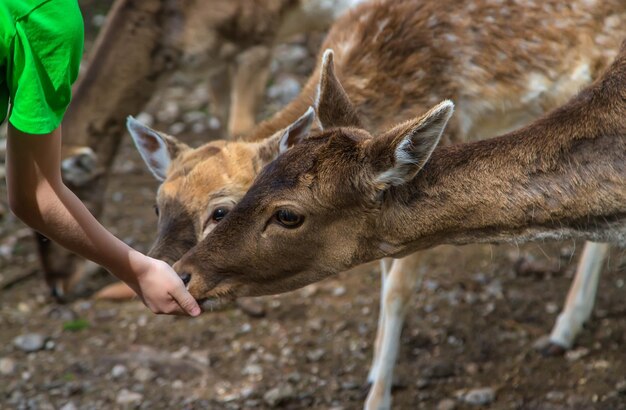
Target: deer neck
(562,177)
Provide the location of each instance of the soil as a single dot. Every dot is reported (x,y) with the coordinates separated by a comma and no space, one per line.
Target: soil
(472,324)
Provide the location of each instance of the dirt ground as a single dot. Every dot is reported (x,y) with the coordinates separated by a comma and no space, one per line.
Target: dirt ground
(472,324)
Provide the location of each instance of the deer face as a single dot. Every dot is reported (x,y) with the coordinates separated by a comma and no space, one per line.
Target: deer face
(200,186)
(312,212)
(302,221)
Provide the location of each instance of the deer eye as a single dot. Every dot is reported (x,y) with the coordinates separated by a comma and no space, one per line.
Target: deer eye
(156,209)
(219,213)
(288,219)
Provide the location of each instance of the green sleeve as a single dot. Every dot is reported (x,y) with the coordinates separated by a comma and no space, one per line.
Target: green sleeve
(44,63)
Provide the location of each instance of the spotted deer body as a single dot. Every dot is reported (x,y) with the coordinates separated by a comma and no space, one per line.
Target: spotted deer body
(395,59)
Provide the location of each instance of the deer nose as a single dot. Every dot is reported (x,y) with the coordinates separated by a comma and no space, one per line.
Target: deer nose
(185,277)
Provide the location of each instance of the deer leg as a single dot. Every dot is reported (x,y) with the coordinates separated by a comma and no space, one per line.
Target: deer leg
(385,265)
(580,298)
(219,92)
(397,291)
(251,73)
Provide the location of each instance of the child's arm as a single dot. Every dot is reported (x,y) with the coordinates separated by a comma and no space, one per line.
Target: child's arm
(38,196)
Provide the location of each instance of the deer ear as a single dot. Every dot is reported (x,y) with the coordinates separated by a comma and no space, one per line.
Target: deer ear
(281,141)
(333,106)
(296,132)
(400,153)
(157,149)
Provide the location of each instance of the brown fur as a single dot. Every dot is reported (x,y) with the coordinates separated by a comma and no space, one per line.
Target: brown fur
(563,176)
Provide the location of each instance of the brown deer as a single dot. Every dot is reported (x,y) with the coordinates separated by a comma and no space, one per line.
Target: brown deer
(341,197)
(562,177)
(141,44)
(384,75)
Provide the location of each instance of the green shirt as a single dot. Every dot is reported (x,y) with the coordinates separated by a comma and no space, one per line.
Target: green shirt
(41,45)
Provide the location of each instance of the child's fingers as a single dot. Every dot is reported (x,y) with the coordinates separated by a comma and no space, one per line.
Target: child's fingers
(186,302)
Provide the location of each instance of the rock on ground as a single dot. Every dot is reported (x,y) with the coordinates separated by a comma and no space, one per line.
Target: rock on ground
(278,395)
(30,342)
(125,397)
(477,397)
(7,366)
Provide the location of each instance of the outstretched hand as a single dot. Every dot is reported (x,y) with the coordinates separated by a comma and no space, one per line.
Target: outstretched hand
(163,292)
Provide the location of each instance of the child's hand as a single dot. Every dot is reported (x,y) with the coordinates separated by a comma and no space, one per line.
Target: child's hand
(162,291)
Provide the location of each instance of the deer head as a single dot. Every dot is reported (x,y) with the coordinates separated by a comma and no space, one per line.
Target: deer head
(200,186)
(326,188)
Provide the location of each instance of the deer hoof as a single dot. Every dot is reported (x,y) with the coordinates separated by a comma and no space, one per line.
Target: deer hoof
(552,349)
(549,348)
(57,292)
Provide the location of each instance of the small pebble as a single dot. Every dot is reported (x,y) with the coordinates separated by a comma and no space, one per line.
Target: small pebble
(294,377)
(251,307)
(194,117)
(128,397)
(118,371)
(177,128)
(68,406)
(214,123)
(422,383)
(551,308)
(440,370)
(145,118)
(7,366)
(198,128)
(30,342)
(278,395)
(315,355)
(252,369)
(576,354)
(98,20)
(144,374)
(339,291)
(555,396)
(285,89)
(169,113)
(477,397)
(446,404)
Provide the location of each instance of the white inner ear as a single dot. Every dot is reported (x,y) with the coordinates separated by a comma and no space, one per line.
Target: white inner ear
(297,131)
(282,146)
(151,146)
(409,158)
(328,54)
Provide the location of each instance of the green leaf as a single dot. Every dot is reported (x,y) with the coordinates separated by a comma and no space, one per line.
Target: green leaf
(76,325)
